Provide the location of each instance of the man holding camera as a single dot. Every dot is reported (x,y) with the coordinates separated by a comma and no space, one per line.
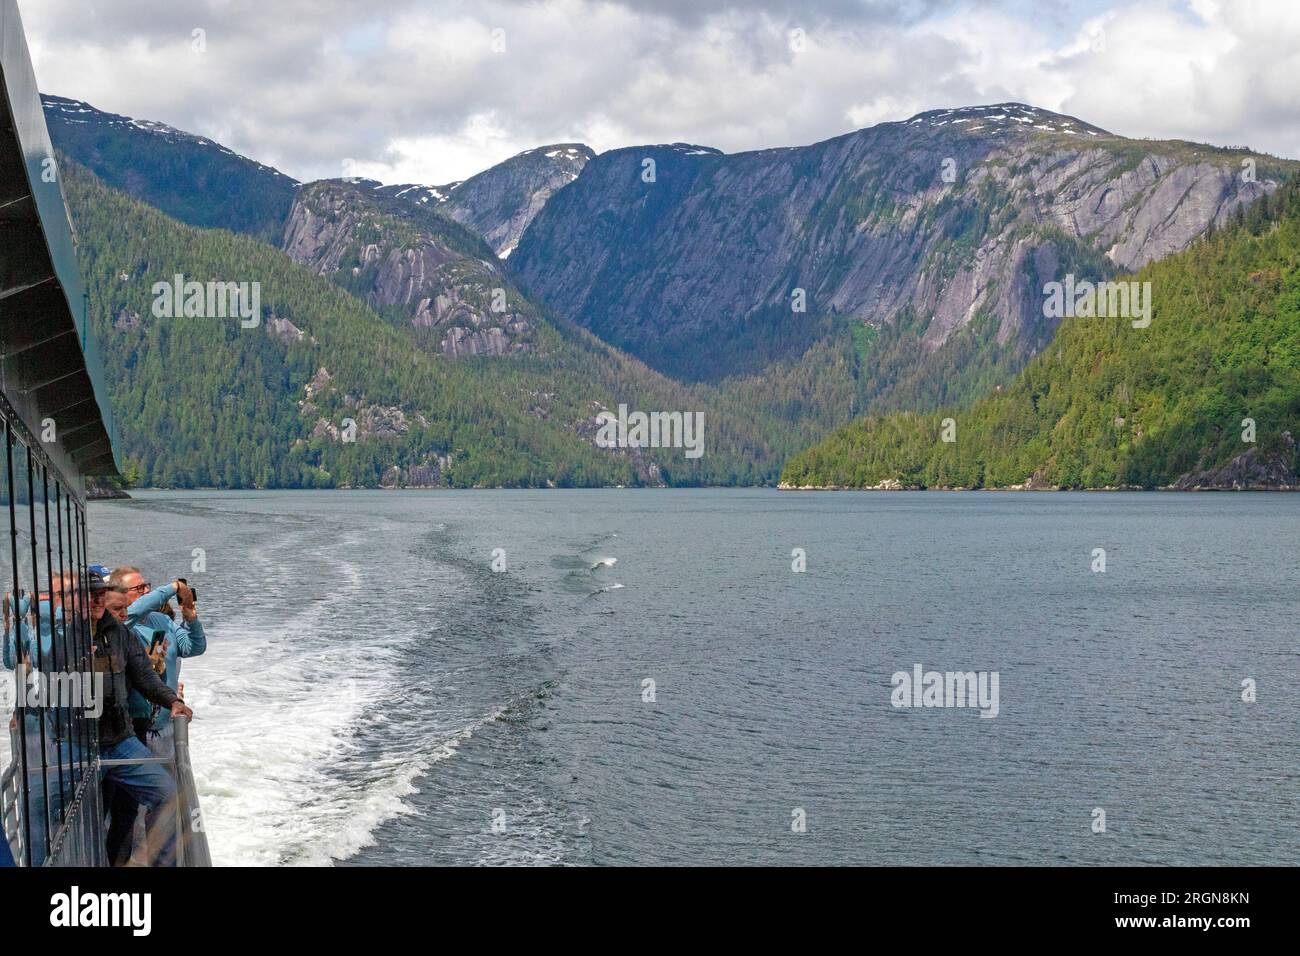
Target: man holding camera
(124,665)
(164,641)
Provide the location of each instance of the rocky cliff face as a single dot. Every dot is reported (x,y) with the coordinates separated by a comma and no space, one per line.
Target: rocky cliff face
(1252,470)
(690,258)
(411,262)
(499,203)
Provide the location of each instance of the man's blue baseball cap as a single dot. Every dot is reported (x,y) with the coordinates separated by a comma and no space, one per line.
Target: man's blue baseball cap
(97,578)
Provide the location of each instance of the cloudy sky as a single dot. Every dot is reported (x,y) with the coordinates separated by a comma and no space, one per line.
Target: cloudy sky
(435,90)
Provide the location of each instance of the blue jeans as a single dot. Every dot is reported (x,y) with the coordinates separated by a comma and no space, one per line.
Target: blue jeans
(42,784)
(151,785)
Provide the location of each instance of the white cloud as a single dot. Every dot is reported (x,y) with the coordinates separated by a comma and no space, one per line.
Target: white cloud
(481,142)
(413,91)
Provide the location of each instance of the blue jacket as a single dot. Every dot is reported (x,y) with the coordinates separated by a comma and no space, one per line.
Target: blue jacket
(48,628)
(143,618)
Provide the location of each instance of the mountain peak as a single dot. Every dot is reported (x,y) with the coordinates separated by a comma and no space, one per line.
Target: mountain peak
(501,201)
(1002,117)
(72,112)
(189,177)
(561,152)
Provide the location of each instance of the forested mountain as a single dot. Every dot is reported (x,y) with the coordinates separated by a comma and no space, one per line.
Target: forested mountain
(411,263)
(206,402)
(203,183)
(1207,396)
(896,268)
(922,242)
(189,177)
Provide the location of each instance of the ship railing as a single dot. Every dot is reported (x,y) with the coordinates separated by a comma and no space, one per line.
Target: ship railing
(191,840)
(9,821)
(78,841)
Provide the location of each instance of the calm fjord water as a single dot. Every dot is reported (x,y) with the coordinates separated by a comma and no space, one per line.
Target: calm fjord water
(375,693)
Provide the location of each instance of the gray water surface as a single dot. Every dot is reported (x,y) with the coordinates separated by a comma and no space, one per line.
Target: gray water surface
(375,693)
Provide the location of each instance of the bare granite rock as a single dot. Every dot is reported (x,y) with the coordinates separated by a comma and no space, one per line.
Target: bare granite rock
(1252,470)
(945,216)
(395,254)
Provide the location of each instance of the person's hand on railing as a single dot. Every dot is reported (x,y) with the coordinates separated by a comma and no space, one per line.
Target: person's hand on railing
(180,710)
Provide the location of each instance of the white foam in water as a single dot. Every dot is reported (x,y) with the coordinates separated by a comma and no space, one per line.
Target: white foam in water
(273,711)
(303,743)
(383,802)
(8,698)
(278,703)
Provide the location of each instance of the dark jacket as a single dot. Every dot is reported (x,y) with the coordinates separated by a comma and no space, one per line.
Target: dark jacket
(125,666)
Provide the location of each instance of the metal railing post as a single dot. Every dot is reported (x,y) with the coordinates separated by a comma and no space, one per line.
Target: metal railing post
(192,841)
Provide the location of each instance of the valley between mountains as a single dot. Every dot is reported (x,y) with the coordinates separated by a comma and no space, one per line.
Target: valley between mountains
(826,308)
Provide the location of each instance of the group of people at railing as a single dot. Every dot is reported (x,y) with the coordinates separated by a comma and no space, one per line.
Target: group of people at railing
(135,647)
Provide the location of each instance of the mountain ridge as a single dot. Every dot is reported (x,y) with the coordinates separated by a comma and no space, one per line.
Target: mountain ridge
(319,356)
(1205,397)
(192,178)
(922,291)
(204,183)
(698,271)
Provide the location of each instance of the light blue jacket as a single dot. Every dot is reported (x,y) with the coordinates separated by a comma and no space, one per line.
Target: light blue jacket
(48,628)
(186,639)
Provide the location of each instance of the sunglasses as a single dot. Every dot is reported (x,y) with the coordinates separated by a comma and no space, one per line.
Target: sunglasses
(146,586)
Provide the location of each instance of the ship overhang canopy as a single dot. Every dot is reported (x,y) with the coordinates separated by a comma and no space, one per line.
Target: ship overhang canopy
(50,370)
